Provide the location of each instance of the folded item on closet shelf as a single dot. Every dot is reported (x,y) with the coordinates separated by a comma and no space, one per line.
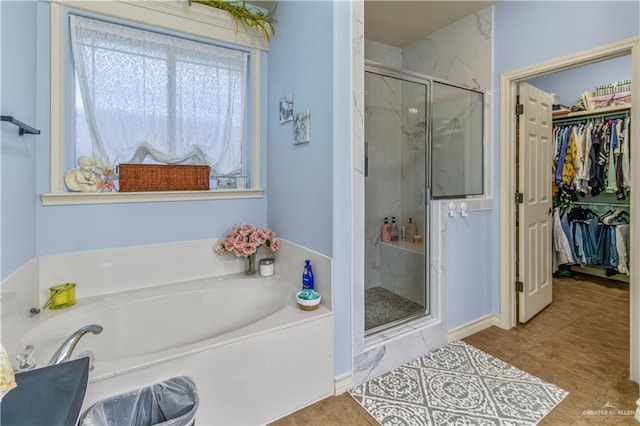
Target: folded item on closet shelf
(578,105)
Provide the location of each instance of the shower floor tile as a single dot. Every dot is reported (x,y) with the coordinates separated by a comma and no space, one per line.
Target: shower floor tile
(383,306)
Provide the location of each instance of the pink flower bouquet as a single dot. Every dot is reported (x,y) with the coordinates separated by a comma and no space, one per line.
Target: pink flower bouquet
(244,241)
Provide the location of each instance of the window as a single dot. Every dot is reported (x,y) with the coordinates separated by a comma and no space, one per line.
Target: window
(145,97)
(180,86)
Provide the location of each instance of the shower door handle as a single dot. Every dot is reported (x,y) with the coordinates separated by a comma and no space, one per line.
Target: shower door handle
(366,159)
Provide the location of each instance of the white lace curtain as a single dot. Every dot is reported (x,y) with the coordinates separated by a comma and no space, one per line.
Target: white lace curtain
(150,97)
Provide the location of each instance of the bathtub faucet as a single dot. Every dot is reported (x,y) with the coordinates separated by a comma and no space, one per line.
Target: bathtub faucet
(64,351)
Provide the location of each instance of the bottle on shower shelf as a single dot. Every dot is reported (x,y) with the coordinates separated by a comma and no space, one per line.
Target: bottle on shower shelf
(410,230)
(386,231)
(394,229)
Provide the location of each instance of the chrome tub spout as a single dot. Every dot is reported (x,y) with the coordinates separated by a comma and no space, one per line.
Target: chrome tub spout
(64,351)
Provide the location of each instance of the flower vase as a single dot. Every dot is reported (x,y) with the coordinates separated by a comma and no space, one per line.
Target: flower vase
(250,264)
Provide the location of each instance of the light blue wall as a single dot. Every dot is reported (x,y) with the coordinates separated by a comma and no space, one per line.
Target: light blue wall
(75,228)
(529,32)
(471,268)
(18,163)
(572,83)
(300,179)
(309,200)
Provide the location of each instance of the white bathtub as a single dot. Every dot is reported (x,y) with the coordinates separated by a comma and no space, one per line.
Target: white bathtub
(241,339)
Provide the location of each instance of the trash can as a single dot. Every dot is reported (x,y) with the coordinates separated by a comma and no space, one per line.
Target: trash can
(173,402)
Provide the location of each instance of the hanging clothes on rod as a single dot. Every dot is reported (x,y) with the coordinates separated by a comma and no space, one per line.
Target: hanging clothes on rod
(583,236)
(592,155)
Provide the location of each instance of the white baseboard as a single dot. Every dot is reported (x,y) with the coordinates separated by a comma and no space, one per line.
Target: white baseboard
(473,327)
(343,383)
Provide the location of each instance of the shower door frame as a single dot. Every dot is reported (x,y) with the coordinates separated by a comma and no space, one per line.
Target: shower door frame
(385,71)
(419,78)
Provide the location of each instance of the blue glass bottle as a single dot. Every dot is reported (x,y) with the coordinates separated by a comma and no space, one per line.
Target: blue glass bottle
(307,276)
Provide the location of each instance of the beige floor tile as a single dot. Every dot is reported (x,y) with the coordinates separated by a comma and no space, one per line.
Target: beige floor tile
(554,418)
(595,284)
(334,411)
(622,395)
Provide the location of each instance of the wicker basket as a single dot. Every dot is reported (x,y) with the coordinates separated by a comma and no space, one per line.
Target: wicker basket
(161,177)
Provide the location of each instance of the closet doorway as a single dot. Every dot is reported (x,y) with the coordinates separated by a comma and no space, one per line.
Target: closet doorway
(508,152)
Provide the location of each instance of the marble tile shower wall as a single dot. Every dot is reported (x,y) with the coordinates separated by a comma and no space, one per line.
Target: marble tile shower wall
(402,272)
(460,53)
(383,53)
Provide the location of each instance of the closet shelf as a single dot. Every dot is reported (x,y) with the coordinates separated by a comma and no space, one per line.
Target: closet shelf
(600,203)
(588,114)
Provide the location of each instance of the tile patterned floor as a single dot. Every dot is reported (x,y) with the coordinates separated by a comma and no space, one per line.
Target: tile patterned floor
(580,343)
(384,306)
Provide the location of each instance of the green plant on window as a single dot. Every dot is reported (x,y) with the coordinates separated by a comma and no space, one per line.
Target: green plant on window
(251,18)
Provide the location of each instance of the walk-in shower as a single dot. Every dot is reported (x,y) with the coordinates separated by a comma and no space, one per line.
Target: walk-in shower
(423,140)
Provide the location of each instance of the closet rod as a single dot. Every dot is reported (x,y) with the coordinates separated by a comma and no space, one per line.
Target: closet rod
(605,116)
(595,203)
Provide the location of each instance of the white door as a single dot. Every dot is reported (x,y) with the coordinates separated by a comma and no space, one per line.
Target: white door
(534,216)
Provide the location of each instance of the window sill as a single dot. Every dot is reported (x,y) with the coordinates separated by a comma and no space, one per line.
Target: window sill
(73,198)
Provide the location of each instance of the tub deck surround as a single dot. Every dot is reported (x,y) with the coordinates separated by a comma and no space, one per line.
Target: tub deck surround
(180,309)
(235,336)
(120,269)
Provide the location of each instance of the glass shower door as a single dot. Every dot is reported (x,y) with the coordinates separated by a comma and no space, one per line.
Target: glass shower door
(395,190)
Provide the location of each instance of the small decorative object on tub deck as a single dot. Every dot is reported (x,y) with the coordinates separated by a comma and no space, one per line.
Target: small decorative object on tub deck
(250,264)
(244,241)
(308,299)
(61,296)
(266,266)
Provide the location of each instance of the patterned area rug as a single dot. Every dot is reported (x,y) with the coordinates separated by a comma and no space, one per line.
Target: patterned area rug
(383,306)
(458,385)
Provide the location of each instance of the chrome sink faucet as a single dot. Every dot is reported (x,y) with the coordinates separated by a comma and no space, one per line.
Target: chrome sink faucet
(64,351)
